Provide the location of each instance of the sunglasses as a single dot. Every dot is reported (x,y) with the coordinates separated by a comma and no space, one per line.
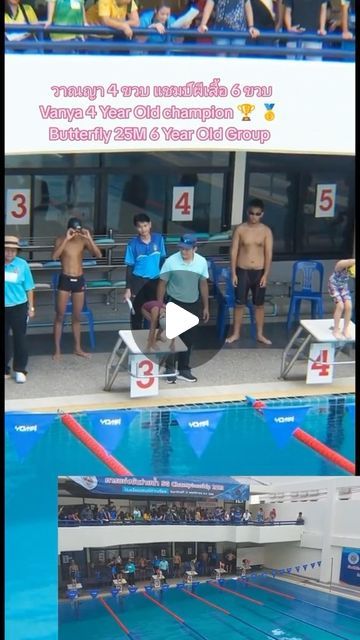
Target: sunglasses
(255,213)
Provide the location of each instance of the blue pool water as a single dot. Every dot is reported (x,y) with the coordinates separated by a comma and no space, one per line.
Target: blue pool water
(155,442)
(282,611)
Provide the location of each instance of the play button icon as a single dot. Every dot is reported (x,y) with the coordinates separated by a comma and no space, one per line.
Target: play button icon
(178,320)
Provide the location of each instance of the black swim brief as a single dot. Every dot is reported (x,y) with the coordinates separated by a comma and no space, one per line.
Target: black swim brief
(74,284)
(249,280)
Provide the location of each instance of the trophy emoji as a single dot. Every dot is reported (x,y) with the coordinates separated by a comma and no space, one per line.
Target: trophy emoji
(246,109)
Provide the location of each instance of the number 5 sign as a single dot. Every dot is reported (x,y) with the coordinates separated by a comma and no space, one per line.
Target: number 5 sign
(320,364)
(325,200)
(18,206)
(183,204)
(144,377)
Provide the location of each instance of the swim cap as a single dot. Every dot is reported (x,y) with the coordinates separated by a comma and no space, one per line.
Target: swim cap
(351,271)
(74,223)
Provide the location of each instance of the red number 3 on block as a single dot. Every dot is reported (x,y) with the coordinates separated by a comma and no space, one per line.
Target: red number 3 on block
(148,368)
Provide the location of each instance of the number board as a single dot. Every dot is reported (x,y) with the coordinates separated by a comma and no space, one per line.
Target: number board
(141,387)
(17,206)
(325,200)
(183,204)
(320,368)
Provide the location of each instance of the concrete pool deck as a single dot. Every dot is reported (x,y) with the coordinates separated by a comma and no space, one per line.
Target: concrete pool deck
(246,368)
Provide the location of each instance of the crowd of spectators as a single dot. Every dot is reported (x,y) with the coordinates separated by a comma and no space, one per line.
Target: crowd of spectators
(106,514)
(251,18)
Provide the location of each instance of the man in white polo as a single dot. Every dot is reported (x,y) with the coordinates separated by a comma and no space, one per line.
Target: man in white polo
(183,281)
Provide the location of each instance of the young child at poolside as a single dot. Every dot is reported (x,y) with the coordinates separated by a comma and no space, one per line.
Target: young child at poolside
(155,312)
(339,291)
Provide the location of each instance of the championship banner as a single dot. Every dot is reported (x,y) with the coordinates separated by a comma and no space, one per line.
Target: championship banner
(198,426)
(217,103)
(108,427)
(199,486)
(26,430)
(350,566)
(282,421)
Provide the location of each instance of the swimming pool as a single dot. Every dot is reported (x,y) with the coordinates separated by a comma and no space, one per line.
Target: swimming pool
(261,608)
(238,440)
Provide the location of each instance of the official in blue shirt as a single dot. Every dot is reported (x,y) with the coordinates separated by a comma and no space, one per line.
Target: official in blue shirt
(143,258)
(130,569)
(19,306)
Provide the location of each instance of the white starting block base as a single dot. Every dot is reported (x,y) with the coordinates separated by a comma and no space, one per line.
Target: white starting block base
(131,354)
(78,585)
(190,575)
(314,331)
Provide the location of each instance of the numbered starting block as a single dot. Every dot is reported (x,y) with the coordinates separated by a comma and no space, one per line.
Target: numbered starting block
(76,586)
(190,576)
(219,572)
(323,346)
(131,355)
(119,584)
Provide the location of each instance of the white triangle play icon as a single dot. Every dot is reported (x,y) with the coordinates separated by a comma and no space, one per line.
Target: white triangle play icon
(178,320)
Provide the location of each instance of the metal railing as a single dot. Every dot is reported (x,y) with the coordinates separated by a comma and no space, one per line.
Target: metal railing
(270,44)
(96,523)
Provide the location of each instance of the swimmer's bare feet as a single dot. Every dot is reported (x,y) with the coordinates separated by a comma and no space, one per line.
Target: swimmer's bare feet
(232,338)
(57,355)
(347,333)
(81,353)
(338,335)
(263,340)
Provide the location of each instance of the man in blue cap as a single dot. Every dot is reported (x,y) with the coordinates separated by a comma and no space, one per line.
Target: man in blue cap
(183,280)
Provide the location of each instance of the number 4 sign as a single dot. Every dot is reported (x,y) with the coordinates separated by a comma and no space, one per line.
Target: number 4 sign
(325,200)
(183,204)
(320,364)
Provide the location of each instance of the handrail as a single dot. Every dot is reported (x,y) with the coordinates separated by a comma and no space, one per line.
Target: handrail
(168,45)
(74,523)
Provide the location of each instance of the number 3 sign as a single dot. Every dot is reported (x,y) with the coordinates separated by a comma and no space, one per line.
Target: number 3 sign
(320,364)
(17,206)
(183,204)
(142,386)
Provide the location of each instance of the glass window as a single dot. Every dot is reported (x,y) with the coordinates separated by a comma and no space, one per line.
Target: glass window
(208,202)
(167,159)
(329,233)
(58,197)
(131,194)
(279,193)
(55,160)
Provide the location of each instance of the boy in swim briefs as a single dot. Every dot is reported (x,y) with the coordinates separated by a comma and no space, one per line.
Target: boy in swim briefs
(339,291)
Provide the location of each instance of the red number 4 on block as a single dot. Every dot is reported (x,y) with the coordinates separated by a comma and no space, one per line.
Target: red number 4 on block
(321,363)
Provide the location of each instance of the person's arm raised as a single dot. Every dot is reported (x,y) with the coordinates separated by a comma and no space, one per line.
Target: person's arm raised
(60,244)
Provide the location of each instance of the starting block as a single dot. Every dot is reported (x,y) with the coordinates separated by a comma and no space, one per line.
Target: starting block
(78,585)
(318,335)
(189,576)
(131,355)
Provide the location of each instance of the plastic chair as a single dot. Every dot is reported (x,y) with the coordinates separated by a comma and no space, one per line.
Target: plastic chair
(69,308)
(225,295)
(306,284)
